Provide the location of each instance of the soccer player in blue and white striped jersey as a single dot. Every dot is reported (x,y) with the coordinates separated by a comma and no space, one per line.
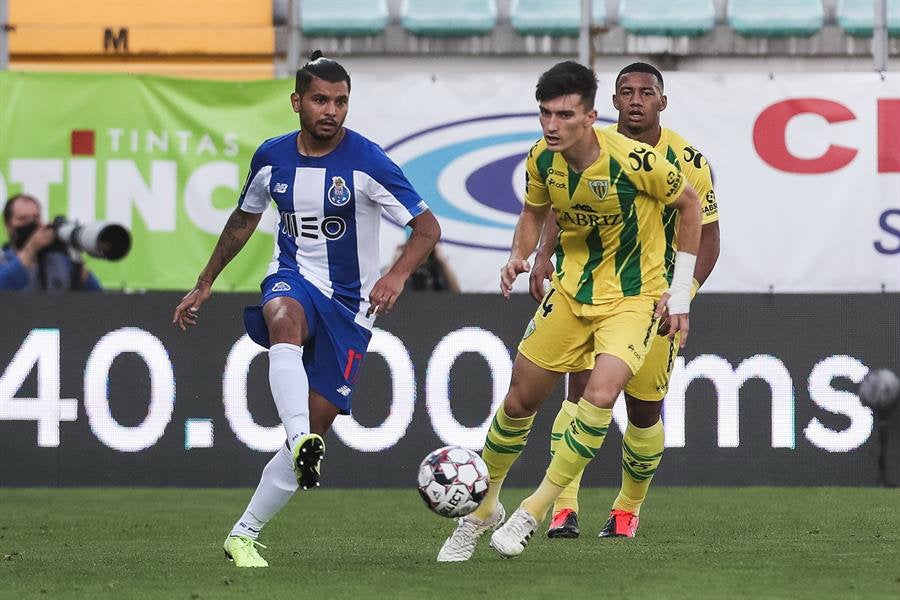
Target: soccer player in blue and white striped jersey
(322,289)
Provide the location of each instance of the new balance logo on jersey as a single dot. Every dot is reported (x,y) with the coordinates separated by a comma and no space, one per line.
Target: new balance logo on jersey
(281,287)
(343,391)
(280,188)
(333,228)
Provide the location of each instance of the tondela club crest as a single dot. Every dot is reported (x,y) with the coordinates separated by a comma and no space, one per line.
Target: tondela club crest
(338,193)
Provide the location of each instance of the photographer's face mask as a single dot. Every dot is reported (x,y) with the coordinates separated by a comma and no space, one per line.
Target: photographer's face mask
(20,234)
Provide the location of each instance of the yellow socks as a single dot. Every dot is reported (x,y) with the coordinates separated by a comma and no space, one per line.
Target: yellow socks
(542,499)
(575,450)
(569,496)
(504,443)
(642,450)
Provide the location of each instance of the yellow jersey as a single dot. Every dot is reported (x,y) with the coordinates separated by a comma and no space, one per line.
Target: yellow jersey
(611,242)
(695,167)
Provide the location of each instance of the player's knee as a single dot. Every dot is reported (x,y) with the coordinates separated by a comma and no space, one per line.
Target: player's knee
(602,394)
(283,335)
(642,413)
(600,399)
(285,330)
(519,405)
(285,321)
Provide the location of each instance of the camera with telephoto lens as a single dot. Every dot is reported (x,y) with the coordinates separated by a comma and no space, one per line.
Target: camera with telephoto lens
(109,241)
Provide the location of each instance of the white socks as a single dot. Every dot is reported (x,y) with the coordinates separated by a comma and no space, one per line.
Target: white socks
(277,485)
(290,388)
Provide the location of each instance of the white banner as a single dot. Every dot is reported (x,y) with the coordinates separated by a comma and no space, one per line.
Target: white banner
(806,167)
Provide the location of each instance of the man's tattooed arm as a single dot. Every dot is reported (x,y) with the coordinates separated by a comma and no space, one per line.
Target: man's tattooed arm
(237,231)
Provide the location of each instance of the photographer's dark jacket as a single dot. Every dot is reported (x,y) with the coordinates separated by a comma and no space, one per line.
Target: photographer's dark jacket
(56,272)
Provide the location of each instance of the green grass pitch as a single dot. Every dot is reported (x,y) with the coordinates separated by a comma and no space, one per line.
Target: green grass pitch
(693,543)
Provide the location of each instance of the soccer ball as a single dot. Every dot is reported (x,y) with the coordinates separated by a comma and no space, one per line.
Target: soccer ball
(453,481)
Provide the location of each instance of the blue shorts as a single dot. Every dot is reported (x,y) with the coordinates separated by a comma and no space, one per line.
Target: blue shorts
(335,345)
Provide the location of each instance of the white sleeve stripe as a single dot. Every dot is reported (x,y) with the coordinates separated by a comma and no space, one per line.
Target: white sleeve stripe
(257,198)
(378,193)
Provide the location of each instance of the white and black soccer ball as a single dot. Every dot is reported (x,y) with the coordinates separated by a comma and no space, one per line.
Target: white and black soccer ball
(879,389)
(453,481)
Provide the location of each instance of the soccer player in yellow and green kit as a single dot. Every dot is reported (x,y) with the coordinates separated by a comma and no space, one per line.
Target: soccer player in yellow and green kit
(605,303)
(639,99)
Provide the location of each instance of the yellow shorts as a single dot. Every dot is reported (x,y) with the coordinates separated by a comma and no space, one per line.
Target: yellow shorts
(651,382)
(566,336)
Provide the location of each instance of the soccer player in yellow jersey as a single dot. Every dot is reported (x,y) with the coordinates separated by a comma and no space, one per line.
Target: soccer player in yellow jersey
(639,98)
(605,302)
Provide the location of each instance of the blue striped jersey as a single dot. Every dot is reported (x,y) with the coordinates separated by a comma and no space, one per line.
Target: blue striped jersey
(329,211)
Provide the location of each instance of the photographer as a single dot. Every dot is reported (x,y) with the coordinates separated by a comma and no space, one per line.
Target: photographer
(433,275)
(34,259)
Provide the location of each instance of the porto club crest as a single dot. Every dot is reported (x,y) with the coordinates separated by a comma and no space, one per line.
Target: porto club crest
(338,193)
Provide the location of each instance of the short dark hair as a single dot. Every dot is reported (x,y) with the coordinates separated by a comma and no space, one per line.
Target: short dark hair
(641,67)
(321,67)
(568,77)
(7,208)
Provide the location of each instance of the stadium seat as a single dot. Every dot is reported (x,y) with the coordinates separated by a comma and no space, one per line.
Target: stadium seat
(449,18)
(345,18)
(553,17)
(765,18)
(674,17)
(857,17)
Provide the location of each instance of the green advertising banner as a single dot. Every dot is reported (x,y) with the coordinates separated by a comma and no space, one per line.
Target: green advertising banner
(164,157)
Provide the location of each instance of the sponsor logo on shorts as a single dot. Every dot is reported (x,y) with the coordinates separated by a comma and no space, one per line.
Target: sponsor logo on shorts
(280,188)
(343,391)
(281,287)
(529,329)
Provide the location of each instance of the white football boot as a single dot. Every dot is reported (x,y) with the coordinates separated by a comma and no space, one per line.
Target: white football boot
(512,538)
(461,544)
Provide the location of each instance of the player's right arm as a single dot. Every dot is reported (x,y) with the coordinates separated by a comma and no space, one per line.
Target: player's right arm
(234,236)
(255,197)
(543,267)
(528,227)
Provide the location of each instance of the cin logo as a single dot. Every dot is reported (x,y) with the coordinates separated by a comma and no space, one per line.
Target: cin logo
(770,135)
(472,174)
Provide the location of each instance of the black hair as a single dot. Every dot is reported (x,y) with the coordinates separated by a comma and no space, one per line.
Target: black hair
(321,67)
(568,77)
(7,208)
(641,67)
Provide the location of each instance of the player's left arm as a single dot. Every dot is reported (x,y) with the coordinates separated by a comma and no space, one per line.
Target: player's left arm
(699,175)
(677,299)
(390,188)
(663,181)
(426,231)
(708,254)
